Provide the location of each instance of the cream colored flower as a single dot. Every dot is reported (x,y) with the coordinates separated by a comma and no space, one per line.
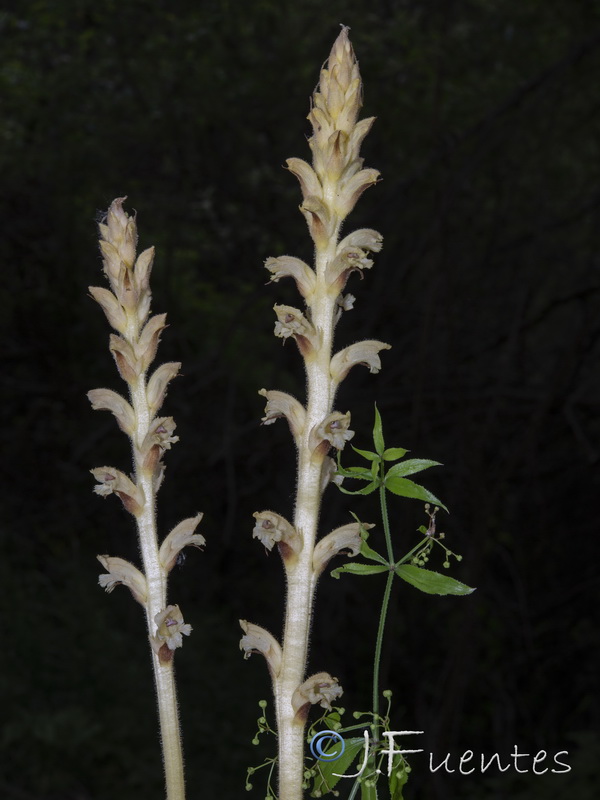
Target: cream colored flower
(281,404)
(320,688)
(258,640)
(170,628)
(111,480)
(334,429)
(119,571)
(272,528)
(181,536)
(347,537)
(365,353)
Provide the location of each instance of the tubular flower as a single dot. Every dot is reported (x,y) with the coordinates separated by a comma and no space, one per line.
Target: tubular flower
(170,628)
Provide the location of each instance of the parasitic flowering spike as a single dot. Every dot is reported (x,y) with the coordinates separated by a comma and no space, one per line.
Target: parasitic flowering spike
(127,307)
(330,187)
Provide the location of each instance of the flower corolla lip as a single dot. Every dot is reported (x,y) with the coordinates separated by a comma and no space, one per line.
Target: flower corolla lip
(319,689)
(170,628)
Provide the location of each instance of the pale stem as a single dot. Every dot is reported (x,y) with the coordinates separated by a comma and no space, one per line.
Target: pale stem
(301,581)
(156,578)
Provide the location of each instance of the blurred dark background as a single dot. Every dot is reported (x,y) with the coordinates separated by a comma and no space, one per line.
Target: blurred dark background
(488,288)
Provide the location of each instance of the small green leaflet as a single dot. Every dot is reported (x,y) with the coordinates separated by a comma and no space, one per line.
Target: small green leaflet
(406,488)
(356,568)
(394,453)
(410,466)
(368,454)
(431,582)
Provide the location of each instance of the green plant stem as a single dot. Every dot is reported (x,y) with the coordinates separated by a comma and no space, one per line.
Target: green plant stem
(384,604)
(378,647)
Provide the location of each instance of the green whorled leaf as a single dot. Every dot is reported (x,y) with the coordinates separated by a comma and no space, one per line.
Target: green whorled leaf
(412,465)
(378,433)
(365,490)
(325,779)
(431,582)
(406,488)
(367,552)
(394,453)
(356,472)
(368,454)
(356,568)
(397,779)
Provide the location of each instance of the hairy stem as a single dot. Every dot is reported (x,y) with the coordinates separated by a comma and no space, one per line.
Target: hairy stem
(156,577)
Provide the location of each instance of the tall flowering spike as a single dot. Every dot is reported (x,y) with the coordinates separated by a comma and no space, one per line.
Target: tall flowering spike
(127,308)
(330,188)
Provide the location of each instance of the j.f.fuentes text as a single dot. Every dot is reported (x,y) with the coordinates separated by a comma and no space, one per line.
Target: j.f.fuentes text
(469,762)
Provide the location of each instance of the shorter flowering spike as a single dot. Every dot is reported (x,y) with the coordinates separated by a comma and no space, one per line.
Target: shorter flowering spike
(365,353)
(347,537)
(181,536)
(120,571)
(258,640)
(320,688)
(280,404)
(111,480)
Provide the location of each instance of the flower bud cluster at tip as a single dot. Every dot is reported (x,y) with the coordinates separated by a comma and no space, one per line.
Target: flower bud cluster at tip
(134,348)
(336,180)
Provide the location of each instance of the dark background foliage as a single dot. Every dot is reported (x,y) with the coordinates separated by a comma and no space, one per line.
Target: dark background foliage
(487,138)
